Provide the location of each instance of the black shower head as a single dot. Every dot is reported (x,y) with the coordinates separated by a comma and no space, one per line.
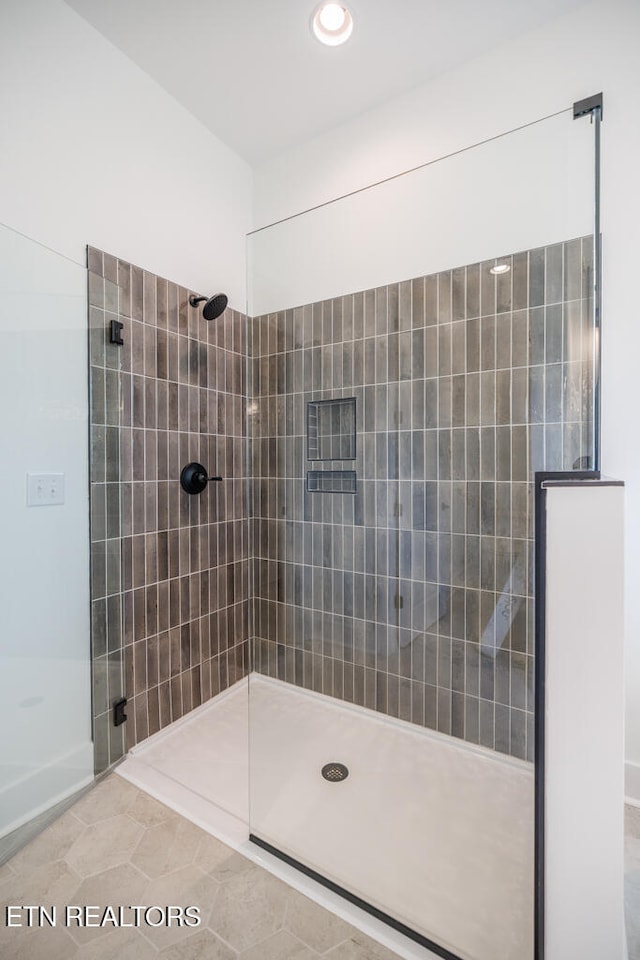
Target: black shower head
(214,307)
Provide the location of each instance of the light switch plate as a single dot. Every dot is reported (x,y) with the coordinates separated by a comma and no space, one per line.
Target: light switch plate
(45,489)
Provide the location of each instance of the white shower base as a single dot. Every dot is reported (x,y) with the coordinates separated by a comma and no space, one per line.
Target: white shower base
(199,765)
(429,829)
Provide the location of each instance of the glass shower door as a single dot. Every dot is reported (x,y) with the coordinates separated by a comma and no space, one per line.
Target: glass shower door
(46,753)
(392,693)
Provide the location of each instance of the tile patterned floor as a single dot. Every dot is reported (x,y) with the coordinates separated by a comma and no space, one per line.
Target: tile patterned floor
(632,879)
(118,846)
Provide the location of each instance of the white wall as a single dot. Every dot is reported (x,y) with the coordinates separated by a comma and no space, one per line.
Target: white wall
(528,189)
(45,691)
(93,151)
(584,718)
(593,49)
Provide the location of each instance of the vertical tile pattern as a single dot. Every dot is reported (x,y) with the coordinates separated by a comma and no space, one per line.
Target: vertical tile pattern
(415,596)
(170,602)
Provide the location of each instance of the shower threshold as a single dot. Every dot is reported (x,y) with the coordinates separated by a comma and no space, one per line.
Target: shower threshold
(357,901)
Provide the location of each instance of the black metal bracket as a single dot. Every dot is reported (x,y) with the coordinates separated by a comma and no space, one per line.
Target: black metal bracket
(582,107)
(115,332)
(119,716)
(594,108)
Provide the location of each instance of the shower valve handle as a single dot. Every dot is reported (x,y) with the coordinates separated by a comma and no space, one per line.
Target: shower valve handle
(194,478)
(203,476)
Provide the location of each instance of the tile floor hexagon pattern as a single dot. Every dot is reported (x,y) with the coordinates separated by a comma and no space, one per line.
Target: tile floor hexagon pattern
(118,847)
(632,879)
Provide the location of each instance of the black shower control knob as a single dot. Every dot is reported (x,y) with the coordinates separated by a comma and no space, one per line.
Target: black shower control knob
(194,478)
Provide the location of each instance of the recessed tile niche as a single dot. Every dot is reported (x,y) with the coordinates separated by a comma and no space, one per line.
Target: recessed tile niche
(331,481)
(331,429)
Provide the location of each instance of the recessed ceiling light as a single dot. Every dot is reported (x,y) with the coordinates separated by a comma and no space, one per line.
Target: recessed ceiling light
(332,24)
(500,268)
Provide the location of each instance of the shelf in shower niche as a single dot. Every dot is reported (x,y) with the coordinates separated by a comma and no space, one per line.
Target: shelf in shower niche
(331,481)
(331,429)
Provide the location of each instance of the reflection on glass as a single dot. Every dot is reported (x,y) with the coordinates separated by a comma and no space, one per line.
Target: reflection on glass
(412,600)
(46,753)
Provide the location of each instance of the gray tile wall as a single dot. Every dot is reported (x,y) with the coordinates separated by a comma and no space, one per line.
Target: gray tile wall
(170,604)
(414,597)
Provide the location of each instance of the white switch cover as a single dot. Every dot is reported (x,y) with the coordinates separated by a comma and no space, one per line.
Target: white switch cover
(45,489)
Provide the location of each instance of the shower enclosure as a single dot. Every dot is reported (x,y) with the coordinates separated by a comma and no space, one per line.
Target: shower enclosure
(413,353)
(417,351)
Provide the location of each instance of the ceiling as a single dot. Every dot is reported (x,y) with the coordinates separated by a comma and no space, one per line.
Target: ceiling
(251,71)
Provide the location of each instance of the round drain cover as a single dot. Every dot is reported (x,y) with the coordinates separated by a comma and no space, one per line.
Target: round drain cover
(335,772)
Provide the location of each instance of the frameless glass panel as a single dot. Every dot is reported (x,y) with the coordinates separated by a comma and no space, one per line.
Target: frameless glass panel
(393,628)
(110,466)
(46,753)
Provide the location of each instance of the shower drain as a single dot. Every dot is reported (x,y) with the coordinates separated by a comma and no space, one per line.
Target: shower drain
(335,772)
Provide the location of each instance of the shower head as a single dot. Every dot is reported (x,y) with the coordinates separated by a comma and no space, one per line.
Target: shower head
(213,307)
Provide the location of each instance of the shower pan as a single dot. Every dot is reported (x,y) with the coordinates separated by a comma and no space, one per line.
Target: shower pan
(417,352)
